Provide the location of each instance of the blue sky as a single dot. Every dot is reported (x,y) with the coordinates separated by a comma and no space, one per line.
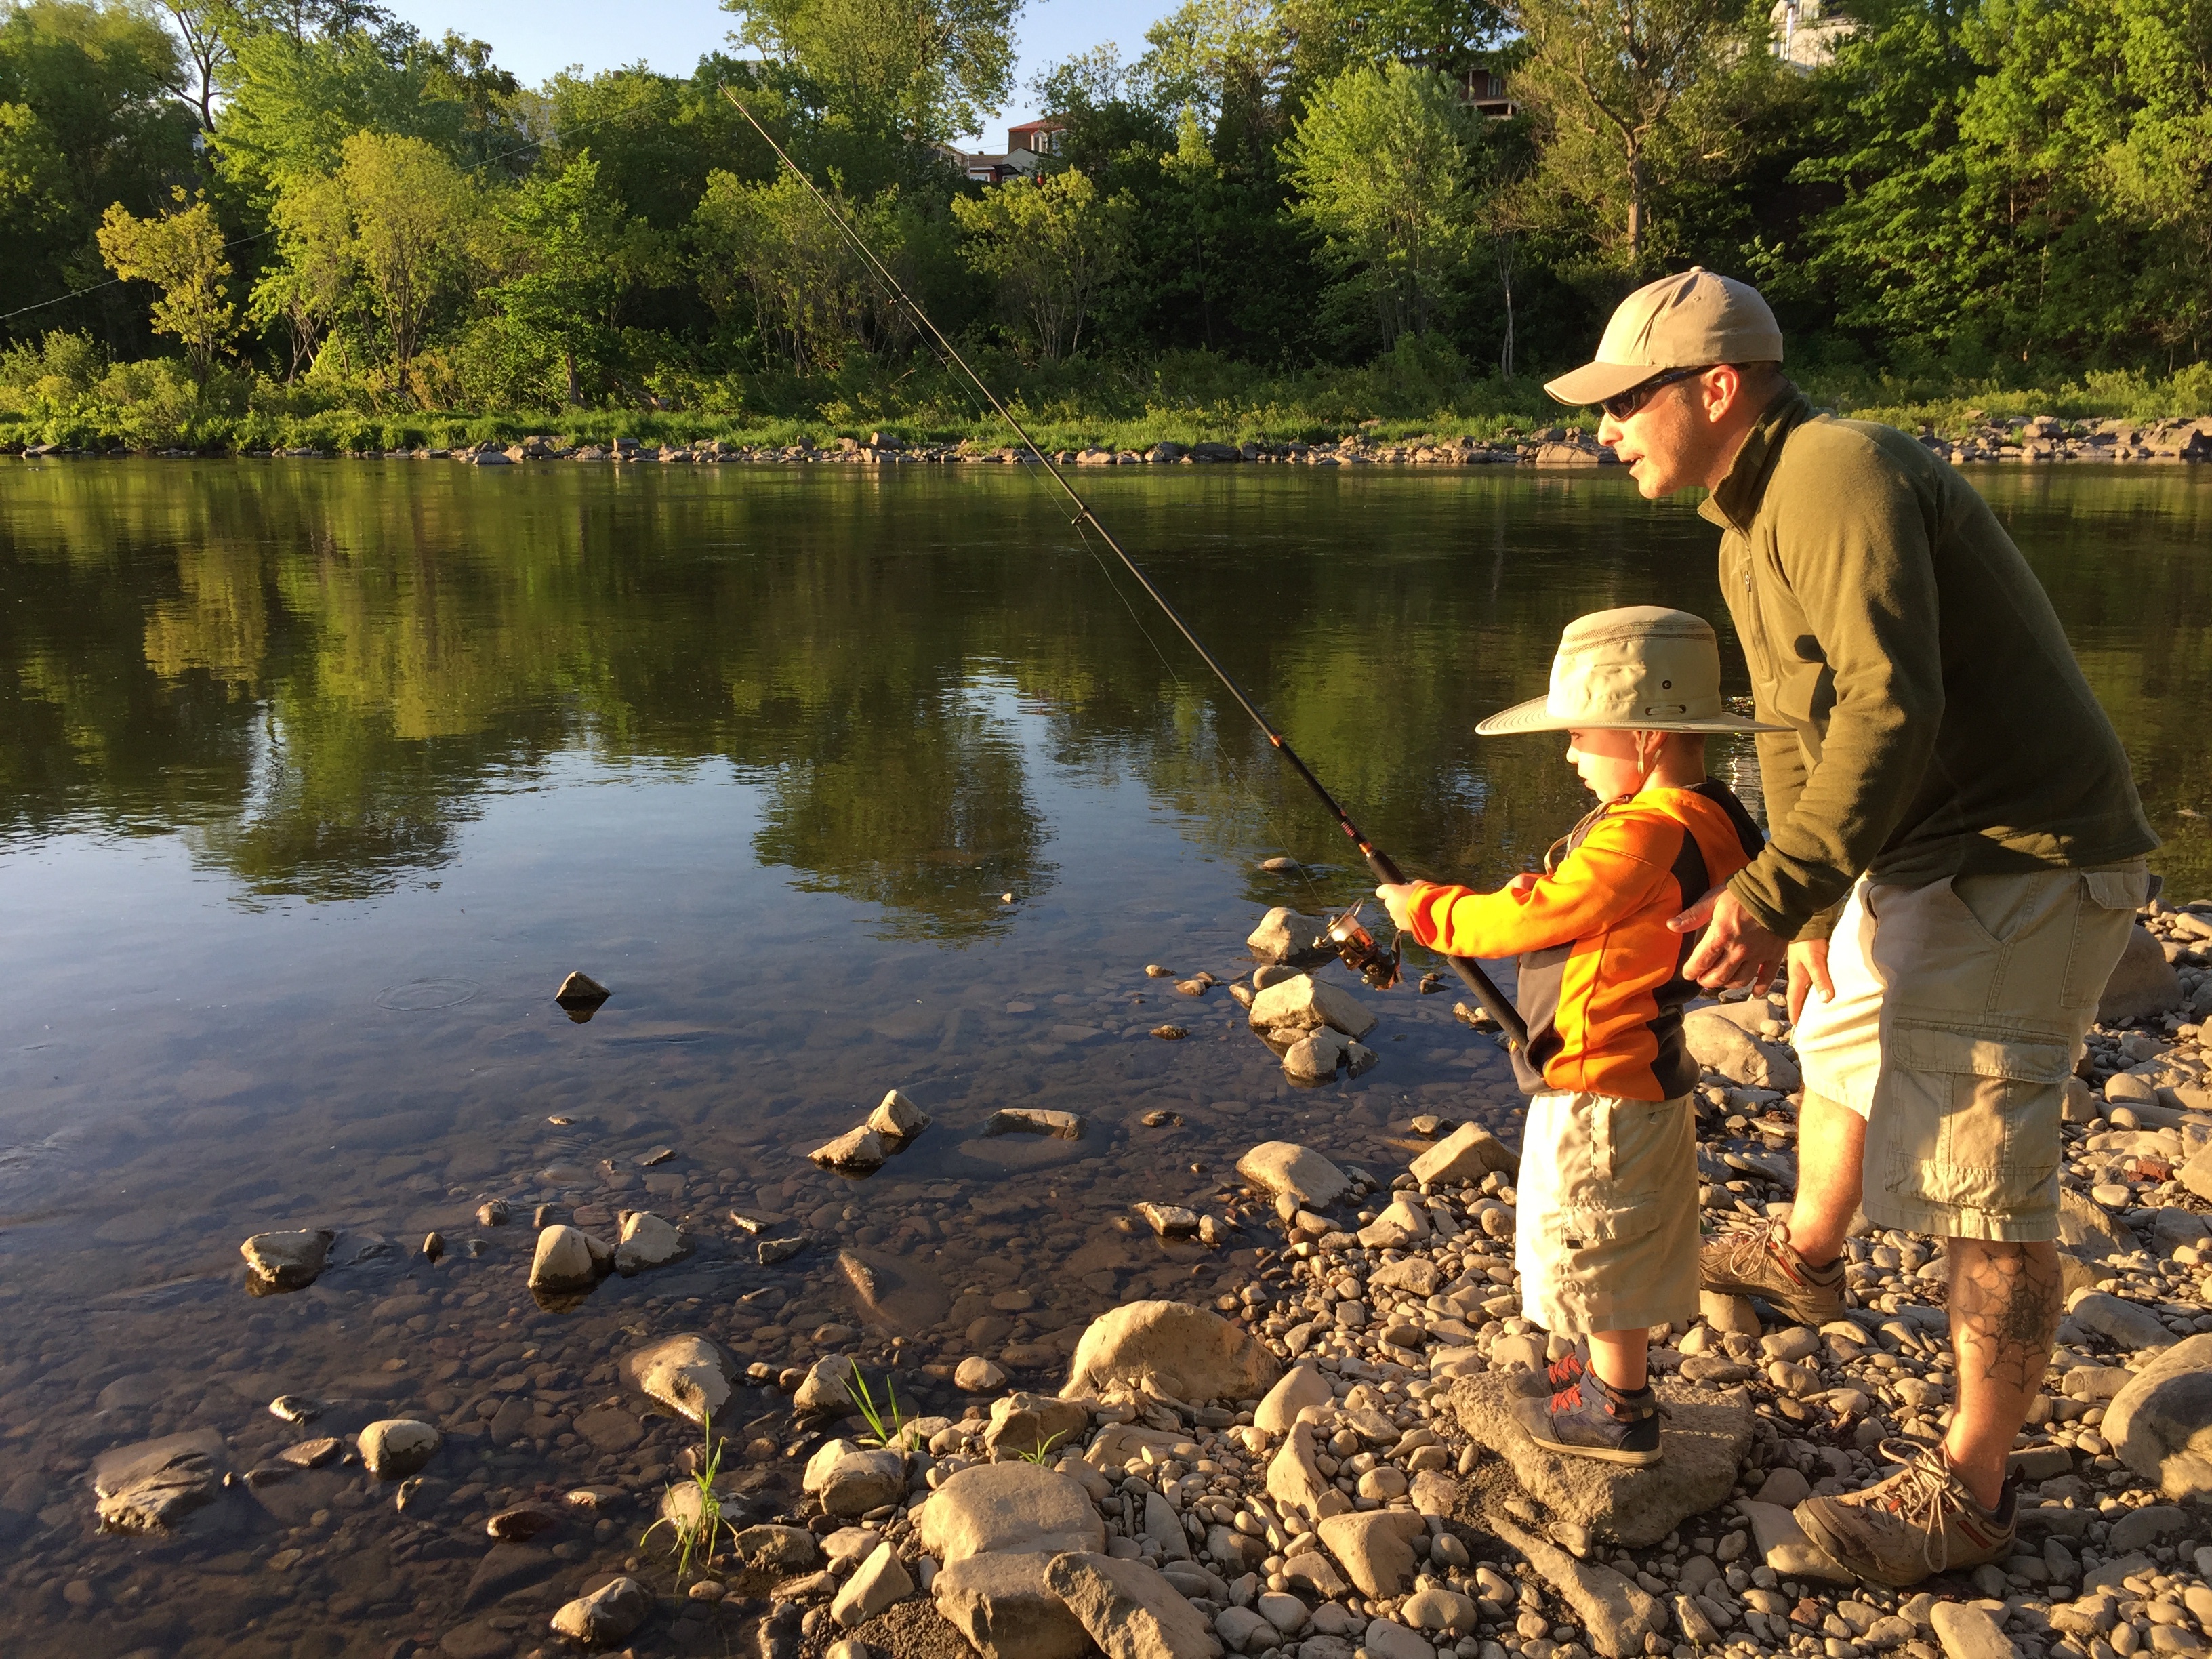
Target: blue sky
(536,39)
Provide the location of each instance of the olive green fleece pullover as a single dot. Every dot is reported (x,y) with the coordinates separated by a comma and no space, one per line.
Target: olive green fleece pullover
(1939,723)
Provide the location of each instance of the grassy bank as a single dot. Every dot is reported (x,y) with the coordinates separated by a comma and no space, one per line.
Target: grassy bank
(1417,390)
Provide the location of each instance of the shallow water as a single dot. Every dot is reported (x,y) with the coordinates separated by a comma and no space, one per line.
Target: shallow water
(319,777)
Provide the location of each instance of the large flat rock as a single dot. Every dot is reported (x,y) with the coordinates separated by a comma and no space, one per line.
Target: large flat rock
(1703,1440)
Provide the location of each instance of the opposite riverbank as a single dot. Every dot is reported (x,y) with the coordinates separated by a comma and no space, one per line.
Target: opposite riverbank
(2041,439)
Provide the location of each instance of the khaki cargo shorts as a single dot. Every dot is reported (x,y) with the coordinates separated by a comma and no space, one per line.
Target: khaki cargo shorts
(1959,1013)
(1606,1237)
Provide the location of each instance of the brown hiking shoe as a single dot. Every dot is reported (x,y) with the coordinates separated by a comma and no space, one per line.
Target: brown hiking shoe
(1920,1521)
(1758,1261)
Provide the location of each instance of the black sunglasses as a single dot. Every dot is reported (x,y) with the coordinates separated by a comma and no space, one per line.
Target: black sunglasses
(1622,404)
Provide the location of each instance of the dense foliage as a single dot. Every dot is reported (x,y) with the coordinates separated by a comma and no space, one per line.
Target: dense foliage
(234,214)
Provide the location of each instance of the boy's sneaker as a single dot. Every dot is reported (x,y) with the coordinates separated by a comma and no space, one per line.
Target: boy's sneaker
(1562,1373)
(1758,1261)
(1920,1521)
(1589,1418)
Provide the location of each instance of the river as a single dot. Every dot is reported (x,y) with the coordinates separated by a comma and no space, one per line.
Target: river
(321,776)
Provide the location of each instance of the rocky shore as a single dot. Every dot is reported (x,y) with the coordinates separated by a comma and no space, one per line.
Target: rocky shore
(1311,1461)
(2040,439)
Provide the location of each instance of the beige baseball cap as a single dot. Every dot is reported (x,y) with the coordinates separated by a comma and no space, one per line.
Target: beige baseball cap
(1640,668)
(1691,321)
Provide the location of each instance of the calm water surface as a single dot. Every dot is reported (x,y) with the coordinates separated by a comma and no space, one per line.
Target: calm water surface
(314,781)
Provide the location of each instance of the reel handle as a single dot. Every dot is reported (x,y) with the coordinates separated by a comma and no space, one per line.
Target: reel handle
(1493,1000)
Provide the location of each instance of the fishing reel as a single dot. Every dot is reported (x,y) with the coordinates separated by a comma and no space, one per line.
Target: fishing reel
(1359,951)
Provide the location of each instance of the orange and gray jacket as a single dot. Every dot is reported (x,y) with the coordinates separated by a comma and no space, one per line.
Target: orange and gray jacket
(1601,980)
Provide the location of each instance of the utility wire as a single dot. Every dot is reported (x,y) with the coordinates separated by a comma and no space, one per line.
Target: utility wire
(1492,999)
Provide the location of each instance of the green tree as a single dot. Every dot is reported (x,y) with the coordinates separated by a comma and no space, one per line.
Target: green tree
(86,120)
(413,213)
(1229,60)
(770,250)
(1634,100)
(1050,245)
(926,69)
(2017,183)
(309,285)
(1453,37)
(577,252)
(180,252)
(294,102)
(389,237)
(2161,172)
(1384,163)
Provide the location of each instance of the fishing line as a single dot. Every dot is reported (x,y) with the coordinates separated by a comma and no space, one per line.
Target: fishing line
(1385,868)
(1221,748)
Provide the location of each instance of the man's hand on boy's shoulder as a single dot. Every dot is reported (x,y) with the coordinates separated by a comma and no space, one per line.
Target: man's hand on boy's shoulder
(1736,949)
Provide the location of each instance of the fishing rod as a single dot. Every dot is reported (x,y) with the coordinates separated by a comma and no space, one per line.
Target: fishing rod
(1350,939)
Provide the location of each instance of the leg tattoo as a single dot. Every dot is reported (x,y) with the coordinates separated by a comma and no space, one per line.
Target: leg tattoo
(2004,1312)
(2005,1305)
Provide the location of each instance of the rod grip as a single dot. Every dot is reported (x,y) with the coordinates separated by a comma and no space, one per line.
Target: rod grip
(1494,1001)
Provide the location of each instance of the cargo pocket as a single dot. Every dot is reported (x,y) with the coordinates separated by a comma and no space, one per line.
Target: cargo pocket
(2110,899)
(1578,1227)
(1973,1120)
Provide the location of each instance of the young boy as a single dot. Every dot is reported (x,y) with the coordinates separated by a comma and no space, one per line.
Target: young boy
(1608,1194)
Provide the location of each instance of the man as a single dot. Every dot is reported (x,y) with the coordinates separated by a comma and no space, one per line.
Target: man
(1956,854)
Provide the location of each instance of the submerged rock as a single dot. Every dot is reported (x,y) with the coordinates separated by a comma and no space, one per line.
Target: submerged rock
(288,1261)
(647,1241)
(1315,1057)
(399,1447)
(857,1152)
(1036,1121)
(568,1259)
(1283,936)
(1298,1007)
(773,1250)
(688,1374)
(897,1118)
(150,1486)
(1167,1220)
(607,1616)
(580,990)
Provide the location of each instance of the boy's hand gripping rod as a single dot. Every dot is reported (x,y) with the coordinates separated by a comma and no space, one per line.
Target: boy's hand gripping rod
(1493,1000)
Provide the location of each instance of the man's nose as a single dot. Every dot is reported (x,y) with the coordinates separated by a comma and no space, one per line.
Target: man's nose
(1608,431)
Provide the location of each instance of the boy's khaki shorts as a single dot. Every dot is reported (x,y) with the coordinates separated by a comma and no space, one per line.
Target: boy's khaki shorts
(1607,1204)
(1958,1013)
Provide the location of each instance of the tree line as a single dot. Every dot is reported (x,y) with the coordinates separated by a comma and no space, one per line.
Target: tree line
(218,205)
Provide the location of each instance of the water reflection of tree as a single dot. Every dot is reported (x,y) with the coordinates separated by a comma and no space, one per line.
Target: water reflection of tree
(318,672)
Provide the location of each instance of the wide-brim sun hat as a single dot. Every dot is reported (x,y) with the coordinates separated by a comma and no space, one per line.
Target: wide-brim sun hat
(1638,668)
(1693,320)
